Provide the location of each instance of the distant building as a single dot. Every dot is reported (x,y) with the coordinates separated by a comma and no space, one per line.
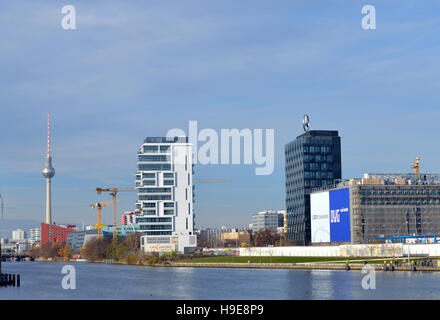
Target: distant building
(267,219)
(282,218)
(34,235)
(18,235)
(236,236)
(215,237)
(21,247)
(51,233)
(377,206)
(128,217)
(78,239)
(313,160)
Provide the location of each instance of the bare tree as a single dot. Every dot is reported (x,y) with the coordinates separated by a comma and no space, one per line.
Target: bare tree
(266,237)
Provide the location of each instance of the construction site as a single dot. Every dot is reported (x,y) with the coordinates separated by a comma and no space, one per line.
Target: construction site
(379,208)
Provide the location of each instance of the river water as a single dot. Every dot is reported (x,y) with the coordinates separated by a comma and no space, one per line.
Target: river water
(42,280)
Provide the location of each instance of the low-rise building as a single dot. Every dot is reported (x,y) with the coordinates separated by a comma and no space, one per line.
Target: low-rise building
(121,231)
(159,244)
(237,237)
(78,239)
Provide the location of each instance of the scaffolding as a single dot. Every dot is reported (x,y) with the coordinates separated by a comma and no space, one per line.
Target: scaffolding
(394,210)
(389,205)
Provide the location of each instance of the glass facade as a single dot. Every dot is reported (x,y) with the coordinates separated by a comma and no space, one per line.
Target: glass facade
(313,160)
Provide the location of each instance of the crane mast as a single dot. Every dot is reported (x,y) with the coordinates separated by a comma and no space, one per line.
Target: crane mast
(113,192)
(99,206)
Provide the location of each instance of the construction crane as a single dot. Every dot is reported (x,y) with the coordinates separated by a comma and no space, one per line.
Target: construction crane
(113,192)
(415,165)
(99,205)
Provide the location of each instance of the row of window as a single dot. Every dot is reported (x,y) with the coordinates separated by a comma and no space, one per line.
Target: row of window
(317,166)
(160,219)
(149,212)
(154,158)
(154,190)
(317,149)
(400,201)
(153,205)
(156,227)
(318,158)
(154,166)
(317,183)
(155,197)
(156,149)
(318,175)
(401,192)
(157,233)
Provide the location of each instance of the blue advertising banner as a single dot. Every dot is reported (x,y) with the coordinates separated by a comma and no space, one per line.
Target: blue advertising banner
(340,215)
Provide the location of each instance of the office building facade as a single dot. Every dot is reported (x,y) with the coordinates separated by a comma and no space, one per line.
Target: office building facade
(312,160)
(164,208)
(267,219)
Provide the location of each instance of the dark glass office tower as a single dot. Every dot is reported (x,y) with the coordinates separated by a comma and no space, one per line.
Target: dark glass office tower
(313,160)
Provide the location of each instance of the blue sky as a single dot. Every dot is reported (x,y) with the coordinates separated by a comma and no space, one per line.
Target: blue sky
(133,69)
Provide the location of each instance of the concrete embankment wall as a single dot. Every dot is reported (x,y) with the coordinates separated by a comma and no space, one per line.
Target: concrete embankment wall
(431,250)
(358,250)
(299,266)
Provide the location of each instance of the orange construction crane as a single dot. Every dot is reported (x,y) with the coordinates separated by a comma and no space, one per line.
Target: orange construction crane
(113,192)
(415,165)
(99,205)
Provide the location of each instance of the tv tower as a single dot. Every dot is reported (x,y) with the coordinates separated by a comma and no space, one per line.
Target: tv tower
(48,173)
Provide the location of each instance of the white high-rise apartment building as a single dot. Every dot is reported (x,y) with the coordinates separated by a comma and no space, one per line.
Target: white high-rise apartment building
(164,208)
(18,235)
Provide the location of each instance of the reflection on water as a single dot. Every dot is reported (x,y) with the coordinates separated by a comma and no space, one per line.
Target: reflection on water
(42,280)
(322,284)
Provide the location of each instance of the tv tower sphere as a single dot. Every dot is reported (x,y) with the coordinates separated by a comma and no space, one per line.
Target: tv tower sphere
(48,171)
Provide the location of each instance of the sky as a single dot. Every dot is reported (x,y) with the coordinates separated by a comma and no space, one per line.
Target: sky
(133,69)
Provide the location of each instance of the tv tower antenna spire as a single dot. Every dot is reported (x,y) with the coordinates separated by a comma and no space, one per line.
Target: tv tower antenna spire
(48,173)
(48,134)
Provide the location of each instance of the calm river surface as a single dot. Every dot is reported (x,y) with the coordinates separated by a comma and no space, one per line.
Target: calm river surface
(42,280)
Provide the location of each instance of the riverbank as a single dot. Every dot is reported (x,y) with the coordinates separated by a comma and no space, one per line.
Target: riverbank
(315,264)
(300,266)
